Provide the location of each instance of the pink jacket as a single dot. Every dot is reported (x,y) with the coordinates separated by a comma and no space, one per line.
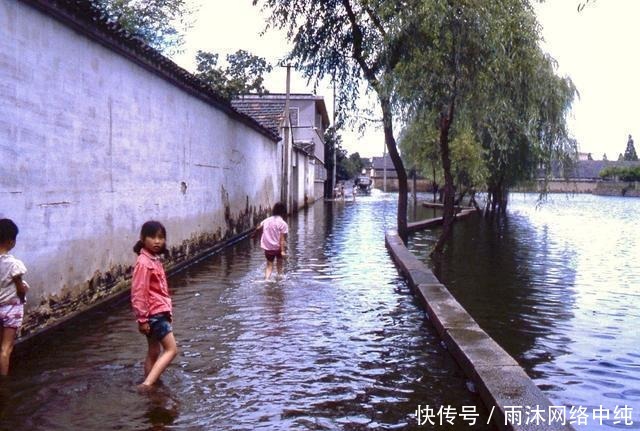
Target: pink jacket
(149,289)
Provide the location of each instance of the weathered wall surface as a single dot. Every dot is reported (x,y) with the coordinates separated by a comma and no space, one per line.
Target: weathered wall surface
(617,188)
(422,184)
(563,186)
(92,145)
(597,187)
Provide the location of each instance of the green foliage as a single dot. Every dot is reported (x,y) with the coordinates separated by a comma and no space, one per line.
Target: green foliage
(478,66)
(467,159)
(524,123)
(421,149)
(348,167)
(160,23)
(243,74)
(623,173)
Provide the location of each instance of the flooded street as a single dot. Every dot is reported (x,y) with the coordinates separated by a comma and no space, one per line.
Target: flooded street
(339,343)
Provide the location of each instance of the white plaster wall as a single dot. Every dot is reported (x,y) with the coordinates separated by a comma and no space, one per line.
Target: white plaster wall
(92,145)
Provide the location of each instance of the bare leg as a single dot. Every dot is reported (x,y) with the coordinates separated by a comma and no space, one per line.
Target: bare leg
(153,353)
(8,338)
(279,264)
(268,270)
(170,350)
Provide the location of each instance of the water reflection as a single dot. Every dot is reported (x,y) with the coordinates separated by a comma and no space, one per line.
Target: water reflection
(556,286)
(337,343)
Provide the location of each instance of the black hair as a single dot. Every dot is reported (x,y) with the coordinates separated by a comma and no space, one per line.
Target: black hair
(8,230)
(279,210)
(150,229)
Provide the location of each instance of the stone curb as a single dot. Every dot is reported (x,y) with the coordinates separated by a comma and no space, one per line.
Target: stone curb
(498,377)
(424,224)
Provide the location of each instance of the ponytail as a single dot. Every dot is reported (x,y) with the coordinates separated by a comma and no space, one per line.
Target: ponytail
(137,248)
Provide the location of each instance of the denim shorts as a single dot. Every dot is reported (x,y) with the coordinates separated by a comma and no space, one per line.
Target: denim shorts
(160,325)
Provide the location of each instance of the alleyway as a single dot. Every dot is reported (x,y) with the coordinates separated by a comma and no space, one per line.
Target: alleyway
(338,343)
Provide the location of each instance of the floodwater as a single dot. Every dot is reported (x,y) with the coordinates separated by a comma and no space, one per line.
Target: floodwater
(338,343)
(558,286)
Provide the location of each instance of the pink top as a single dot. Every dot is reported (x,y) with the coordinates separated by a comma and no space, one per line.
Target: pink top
(149,289)
(272,228)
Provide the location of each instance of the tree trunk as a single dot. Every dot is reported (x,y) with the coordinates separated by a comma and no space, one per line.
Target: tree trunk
(435,188)
(448,214)
(415,187)
(472,201)
(392,147)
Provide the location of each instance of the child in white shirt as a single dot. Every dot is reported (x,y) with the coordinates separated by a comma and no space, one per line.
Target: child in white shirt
(13,291)
(274,238)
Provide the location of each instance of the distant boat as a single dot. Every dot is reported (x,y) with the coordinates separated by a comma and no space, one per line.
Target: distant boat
(364,184)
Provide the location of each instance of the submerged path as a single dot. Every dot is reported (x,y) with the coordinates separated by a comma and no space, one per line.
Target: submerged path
(338,343)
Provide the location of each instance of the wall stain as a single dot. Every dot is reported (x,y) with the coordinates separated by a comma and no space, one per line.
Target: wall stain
(107,283)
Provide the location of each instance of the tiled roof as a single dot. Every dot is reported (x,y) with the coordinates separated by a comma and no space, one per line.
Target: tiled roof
(320,106)
(267,112)
(379,163)
(85,18)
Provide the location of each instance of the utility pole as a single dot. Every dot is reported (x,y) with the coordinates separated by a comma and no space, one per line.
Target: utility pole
(384,168)
(335,150)
(285,195)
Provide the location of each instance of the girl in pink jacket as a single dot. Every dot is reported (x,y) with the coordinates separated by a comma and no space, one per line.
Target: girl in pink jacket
(151,301)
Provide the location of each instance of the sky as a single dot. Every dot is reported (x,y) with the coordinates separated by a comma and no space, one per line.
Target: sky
(597,48)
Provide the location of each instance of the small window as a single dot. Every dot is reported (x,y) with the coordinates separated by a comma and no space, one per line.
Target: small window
(294,114)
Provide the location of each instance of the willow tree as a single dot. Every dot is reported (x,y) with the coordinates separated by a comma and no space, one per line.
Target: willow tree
(523,129)
(351,41)
(454,53)
(477,66)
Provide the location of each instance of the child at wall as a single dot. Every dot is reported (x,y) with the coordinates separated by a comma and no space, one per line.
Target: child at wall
(151,301)
(13,291)
(274,238)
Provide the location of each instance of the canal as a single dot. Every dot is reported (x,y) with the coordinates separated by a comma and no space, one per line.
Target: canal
(338,343)
(558,286)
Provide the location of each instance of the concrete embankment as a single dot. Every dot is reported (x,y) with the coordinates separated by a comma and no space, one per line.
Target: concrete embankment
(424,224)
(502,384)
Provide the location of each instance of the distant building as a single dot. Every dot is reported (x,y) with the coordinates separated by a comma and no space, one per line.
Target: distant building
(380,165)
(309,119)
(582,176)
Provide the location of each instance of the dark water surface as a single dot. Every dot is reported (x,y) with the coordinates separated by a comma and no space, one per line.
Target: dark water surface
(337,344)
(558,286)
